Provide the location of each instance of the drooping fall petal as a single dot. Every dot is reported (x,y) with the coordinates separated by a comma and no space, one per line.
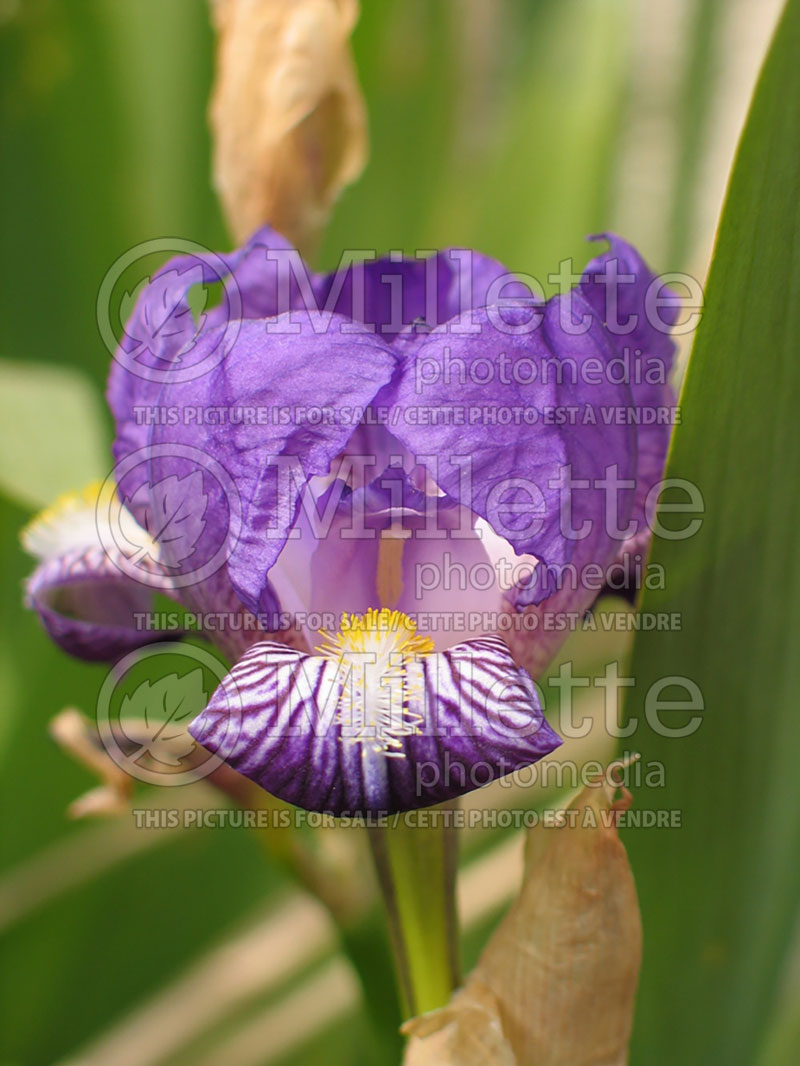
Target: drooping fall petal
(377,721)
(87,593)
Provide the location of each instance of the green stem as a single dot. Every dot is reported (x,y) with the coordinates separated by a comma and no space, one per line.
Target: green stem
(416,871)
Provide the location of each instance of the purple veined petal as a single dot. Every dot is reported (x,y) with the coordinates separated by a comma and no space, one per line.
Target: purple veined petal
(484,423)
(257,278)
(90,609)
(448,723)
(161,324)
(224,620)
(616,284)
(642,340)
(264,279)
(86,601)
(284,406)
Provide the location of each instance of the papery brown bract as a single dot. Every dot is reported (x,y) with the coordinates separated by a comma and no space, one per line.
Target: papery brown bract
(287,115)
(556,983)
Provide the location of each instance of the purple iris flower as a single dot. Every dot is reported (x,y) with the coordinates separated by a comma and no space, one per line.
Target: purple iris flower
(385,485)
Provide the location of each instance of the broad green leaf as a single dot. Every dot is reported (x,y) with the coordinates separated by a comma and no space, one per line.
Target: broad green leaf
(52,435)
(719,894)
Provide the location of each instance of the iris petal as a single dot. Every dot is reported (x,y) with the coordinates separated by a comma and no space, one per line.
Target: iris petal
(470,716)
(85,589)
(651,349)
(390,294)
(319,382)
(89,607)
(502,453)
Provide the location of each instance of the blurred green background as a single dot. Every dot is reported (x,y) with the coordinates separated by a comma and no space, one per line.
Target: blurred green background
(517,127)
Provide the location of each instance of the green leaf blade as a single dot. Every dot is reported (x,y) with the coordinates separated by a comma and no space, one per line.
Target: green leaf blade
(719,895)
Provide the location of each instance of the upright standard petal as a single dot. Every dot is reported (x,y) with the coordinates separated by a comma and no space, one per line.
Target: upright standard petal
(638,312)
(391,294)
(275,413)
(161,337)
(520,426)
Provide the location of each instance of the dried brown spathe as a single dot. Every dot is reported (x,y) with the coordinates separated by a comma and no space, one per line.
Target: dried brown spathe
(287,115)
(555,985)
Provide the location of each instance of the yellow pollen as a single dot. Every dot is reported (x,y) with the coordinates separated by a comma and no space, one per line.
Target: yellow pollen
(374,652)
(69,501)
(70,521)
(381,630)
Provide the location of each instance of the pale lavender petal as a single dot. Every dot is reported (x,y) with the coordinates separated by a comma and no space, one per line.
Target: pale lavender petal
(388,543)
